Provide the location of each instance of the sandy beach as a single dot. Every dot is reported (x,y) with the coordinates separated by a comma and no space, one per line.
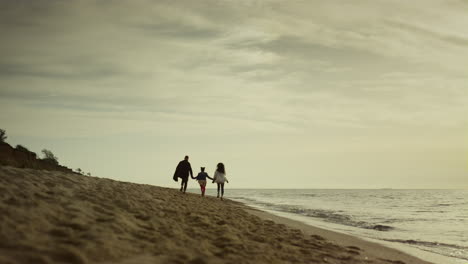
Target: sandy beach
(58,217)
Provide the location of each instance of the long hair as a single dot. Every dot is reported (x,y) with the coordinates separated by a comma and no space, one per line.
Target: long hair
(220,168)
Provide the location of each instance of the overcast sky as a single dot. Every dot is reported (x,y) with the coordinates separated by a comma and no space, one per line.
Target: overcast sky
(288,94)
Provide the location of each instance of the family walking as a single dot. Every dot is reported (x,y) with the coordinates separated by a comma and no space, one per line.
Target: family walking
(184,169)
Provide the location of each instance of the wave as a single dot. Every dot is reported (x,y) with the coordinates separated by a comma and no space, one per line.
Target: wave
(326,215)
(425,243)
(444,204)
(435,245)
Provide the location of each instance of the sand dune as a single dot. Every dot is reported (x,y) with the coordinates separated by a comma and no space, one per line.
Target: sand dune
(55,217)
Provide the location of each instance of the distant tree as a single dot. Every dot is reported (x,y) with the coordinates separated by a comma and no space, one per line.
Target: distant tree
(79,171)
(22,148)
(3,135)
(89,173)
(26,150)
(49,156)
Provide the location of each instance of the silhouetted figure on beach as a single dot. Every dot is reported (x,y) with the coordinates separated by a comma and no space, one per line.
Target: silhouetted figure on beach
(220,178)
(182,171)
(201,178)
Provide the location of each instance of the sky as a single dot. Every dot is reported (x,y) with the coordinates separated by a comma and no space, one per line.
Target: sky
(287,94)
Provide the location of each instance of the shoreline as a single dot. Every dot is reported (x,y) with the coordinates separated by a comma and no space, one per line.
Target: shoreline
(305,222)
(373,248)
(55,217)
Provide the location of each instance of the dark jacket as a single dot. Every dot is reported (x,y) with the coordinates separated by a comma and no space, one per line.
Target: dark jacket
(182,171)
(202,176)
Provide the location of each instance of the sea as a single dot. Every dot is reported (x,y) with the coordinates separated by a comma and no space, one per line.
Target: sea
(429,224)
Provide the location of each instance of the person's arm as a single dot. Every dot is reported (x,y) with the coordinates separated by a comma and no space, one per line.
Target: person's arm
(191,172)
(209,177)
(194,177)
(214,177)
(226,179)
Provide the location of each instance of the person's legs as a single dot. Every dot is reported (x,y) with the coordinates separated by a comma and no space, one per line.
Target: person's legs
(219,185)
(222,190)
(183,187)
(203,188)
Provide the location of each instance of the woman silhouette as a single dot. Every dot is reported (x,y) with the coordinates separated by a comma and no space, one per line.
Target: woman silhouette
(220,178)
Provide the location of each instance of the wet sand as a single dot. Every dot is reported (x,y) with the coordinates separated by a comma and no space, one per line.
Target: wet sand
(55,217)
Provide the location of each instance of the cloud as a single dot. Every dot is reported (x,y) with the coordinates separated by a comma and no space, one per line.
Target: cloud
(237,80)
(189,57)
(414,29)
(69,72)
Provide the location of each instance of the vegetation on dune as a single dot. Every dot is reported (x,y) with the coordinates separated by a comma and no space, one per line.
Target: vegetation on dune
(49,156)
(82,172)
(8,156)
(22,148)
(3,135)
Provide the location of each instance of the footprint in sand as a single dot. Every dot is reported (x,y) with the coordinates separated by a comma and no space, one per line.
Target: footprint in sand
(354,248)
(69,255)
(75,226)
(59,232)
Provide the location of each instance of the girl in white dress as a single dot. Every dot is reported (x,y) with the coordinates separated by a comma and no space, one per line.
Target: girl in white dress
(220,178)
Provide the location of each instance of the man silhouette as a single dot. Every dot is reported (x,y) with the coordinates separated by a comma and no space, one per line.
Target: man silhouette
(182,171)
